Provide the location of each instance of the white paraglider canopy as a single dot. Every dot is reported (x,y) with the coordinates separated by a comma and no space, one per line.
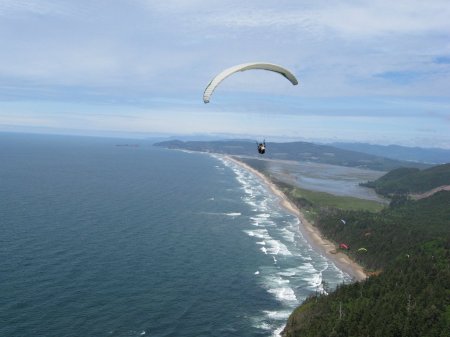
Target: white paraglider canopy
(243,67)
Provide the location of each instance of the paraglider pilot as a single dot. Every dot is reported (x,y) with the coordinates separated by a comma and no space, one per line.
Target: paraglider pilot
(262,147)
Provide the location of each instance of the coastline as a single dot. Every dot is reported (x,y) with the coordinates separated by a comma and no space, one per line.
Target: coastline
(310,232)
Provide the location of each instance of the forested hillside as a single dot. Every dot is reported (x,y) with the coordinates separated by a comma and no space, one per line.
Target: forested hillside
(410,298)
(409,242)
(395,230)
(411,180)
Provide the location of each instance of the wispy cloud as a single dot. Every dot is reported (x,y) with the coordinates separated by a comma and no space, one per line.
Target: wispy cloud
(159,55)
(348,19)
(16,8)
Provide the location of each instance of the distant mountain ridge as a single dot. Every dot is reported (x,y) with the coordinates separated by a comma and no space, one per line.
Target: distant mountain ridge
(415,154)
(299,151)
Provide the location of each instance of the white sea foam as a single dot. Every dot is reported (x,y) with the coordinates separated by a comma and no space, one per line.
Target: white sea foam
(258,233)
(288,272)
(276,280)
(261,323)
(248,191)
(263,326)
(263,207)
(288,235)
(269,223)
(315,281)
(277,332)
(283,294)
(233,214)
(280,289)
(275,247)
(343,276)
(277,315)
(296,266)
(258,221)
(307,267)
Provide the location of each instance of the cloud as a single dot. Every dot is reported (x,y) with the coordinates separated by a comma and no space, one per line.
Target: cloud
(367,58)
(36,7)
(155,41)
(17,8)
(346,19)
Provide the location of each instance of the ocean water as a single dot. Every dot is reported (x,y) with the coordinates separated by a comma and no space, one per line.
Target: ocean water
(104,240)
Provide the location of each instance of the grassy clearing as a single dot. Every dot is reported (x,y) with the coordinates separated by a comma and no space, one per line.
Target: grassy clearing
(322,199)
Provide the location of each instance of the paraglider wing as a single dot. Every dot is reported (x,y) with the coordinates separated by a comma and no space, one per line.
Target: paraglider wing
(362,250)
(243,67)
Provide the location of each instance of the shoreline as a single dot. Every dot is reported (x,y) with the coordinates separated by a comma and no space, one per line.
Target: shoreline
(309,231)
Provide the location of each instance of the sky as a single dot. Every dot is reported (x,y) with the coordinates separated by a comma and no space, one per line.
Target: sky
(373,71)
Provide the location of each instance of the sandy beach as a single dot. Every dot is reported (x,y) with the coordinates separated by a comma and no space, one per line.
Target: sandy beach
(311,233)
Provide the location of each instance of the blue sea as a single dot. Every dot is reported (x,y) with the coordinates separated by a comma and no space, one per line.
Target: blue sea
(99,240)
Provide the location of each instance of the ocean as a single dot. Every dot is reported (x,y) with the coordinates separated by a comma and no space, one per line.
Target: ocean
(98,240)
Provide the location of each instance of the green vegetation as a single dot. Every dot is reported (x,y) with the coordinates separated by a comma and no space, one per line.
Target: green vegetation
(393,231)
(411,299)
(406,245)
(410,242)
(321,199)
(411,180)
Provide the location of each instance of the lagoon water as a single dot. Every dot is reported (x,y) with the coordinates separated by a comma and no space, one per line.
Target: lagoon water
(105,240)
(332,179)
